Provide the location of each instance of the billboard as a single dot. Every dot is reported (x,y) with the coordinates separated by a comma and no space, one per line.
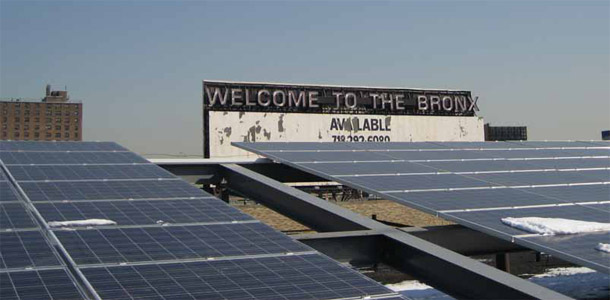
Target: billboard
(253,112)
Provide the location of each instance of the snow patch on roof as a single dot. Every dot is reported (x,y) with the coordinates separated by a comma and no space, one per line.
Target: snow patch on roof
(603,247)
(409,285)
(88,222)
(553,226)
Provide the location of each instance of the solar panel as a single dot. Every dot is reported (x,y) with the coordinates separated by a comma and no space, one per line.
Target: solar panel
(54,158)
(38,285)
(109,190)
(14,215)
(507,165)
(143,212)
(162,223)
(506,197)
(75,173)
(505,179)
(59,146)
(174,242)
(21,249)
(289,277)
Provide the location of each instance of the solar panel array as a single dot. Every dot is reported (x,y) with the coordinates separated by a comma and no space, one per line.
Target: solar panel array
(169,239)
(476,184)
(29,267)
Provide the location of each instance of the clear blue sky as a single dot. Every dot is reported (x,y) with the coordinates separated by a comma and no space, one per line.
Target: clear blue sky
(138,65)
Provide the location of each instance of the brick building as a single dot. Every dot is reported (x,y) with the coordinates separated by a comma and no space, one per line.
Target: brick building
(54,118)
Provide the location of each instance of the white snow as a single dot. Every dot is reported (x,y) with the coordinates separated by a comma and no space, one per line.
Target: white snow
(416,290)
(575,282)
(552,226)
(88,222)
(603,247)
(408,285)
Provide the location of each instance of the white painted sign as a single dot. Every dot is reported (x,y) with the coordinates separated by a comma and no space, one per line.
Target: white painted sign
(233,126)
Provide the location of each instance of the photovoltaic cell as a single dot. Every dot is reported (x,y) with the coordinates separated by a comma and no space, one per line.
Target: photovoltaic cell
(14,216)
(552,144)
(416,182)
(370,168)
(143,212)
(291,277)
(59,146)
(6,192)
(174,242)
(38,285)
(54,158)
(106,190)
(20,249)
(507,165)
(148,171)
(541,178)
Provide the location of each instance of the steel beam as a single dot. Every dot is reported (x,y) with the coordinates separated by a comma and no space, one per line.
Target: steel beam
(450,272)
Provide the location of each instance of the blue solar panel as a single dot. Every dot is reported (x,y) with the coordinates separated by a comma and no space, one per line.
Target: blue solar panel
(174,242)
(542,178)
(161,222)
(107,190)
(38,285)
(21,249)
(290,277)
(477,200)
(75,173)
(7,194)
(54,158)
(143,212)
(59,146)
(14,215)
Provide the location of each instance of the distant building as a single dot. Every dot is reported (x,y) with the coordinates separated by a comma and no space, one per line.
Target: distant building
(505,133)
(606,135)
(54,118)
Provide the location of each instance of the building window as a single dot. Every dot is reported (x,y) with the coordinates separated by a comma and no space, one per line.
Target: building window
(16,134)
(76,113)
(37,119)
(48,112)
(57,127)
(26,119)
(17,104)
(76,135)
(49,127)
(36,134)
(26,134)
(36,127)
(26,127)
(66,134)
(27,112)
(17,119)
(58,135)
(4,126)
(58,113)
(57,120)
(48,134)
(17,111)
(49,120)
(67,121)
